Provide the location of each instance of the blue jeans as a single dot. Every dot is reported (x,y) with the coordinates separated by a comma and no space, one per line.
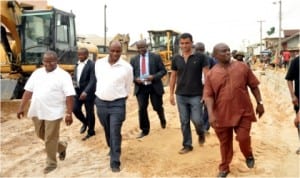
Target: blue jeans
(190,108)
(205,118)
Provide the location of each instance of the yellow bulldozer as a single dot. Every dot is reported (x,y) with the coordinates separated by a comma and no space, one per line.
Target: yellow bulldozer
(165,43)
(25,36)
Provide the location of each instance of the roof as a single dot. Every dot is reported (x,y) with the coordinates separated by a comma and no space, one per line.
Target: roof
(95,39)
(291,37)
(290,32)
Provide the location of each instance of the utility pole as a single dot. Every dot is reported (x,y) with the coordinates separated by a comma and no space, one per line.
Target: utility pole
(260,43)
(279,30)
(105,29)
(280,19)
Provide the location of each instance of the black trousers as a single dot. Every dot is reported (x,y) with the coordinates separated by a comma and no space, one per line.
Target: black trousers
(142,96)
(111,115)
(89,117)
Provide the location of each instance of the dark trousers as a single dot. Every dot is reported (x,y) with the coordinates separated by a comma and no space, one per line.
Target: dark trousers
(225,136)
(142,96)
(111,115)
(89,117)
(205,118)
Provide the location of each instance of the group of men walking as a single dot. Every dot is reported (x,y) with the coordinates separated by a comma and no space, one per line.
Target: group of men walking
(209,92)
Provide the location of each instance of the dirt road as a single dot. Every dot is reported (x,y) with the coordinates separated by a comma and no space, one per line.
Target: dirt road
(274,142)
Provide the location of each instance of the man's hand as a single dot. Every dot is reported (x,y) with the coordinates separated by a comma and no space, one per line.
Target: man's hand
(295,100)
(20,114)
(68,119)
(138,80)
(172,100)
(83,96)
(260,110)
(149,78)
(212,120)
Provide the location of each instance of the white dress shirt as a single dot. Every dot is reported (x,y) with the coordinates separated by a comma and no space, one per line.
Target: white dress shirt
(80,66)
(113,81)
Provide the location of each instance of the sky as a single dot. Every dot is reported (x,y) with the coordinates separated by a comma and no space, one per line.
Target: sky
(235,22)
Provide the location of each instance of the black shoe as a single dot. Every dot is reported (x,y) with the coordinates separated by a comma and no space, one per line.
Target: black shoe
(142,135)
(163,123)
(83,128)
(298,151)
(201,139)
(62,155)
(250,162)
(185,150)
(87,137)
(223,174)
(115,169)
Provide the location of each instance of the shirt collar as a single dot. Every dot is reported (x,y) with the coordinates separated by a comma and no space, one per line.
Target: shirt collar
(84,62)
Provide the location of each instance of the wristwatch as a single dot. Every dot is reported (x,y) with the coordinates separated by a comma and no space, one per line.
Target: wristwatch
(260,102)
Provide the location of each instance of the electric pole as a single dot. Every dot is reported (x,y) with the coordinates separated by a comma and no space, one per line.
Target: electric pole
(260,29)
(105,29)
(279,30)
(280,19)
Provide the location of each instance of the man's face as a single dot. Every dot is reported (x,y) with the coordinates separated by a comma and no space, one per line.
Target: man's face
(185,44)
(115,52)
(142,48)
(49,62)
(82,55)
(223,54)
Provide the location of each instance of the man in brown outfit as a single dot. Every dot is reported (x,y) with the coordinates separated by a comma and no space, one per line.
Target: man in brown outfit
(229,105)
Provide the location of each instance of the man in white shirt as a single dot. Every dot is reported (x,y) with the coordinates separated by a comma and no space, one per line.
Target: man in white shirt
(51,91)
(114,78)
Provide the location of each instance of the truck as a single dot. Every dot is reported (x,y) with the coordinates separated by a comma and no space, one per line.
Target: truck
(166,44)
(25,36)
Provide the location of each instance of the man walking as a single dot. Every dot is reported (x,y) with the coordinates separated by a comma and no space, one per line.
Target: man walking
(148,70)
(229,106)
(51,92)
(186,75)
(85,86)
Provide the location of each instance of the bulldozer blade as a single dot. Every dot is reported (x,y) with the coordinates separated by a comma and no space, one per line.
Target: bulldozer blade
(7,88)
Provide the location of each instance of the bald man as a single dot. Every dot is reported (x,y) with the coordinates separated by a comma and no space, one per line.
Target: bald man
(148,70)
(114,79)
(229,105)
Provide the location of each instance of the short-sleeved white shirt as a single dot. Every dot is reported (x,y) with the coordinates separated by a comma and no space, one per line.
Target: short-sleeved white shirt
(49,93)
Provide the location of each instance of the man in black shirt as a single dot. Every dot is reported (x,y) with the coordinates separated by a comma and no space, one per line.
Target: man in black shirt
(186,74)
(292,78)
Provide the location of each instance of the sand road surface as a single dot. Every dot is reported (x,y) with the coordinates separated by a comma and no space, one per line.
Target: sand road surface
(274,141)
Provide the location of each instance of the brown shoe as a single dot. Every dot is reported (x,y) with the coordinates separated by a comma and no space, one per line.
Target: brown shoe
(49,169)
(185,150)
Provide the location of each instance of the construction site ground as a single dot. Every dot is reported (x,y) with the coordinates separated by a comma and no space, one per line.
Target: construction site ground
(274,141)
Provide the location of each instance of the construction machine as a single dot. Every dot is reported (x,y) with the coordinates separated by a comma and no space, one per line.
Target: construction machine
(166,44)
(25,36)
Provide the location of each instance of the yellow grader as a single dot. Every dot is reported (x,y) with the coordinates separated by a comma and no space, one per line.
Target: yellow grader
(165,43)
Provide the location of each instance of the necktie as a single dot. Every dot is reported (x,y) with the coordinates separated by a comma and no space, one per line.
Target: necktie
(143,65)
